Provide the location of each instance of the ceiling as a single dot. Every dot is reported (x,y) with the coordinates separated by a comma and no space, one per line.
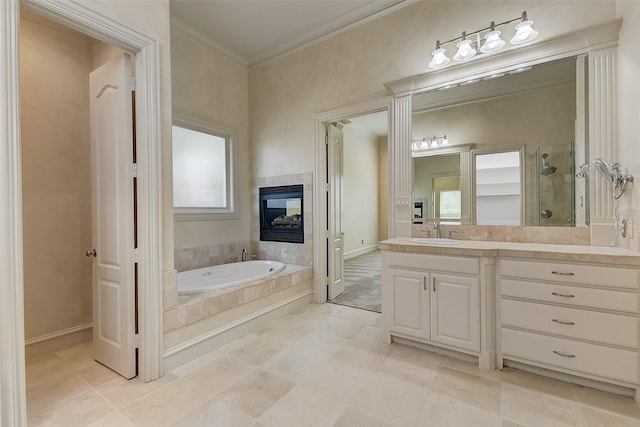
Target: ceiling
(253,31)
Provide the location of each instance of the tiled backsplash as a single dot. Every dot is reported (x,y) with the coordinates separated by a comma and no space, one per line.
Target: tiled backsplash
(556,235)
(288,253)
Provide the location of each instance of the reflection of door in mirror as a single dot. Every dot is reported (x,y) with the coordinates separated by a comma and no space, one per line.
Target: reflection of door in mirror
(437,188)
(498,187)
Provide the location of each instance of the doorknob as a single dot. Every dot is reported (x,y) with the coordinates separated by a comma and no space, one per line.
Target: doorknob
(91,253)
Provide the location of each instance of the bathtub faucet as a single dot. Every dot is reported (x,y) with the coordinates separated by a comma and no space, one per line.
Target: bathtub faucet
(244,254)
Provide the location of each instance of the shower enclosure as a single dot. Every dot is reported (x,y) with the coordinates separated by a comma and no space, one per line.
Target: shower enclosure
(555,185)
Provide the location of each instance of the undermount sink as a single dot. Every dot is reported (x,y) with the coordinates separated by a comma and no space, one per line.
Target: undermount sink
(435,241)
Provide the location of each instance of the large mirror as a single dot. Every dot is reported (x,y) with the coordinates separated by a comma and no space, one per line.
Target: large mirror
(507,143)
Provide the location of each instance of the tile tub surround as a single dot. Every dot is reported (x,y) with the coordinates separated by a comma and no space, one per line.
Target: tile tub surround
(207,256)
(288,253)
(571,253)
(196,307)
(554,235)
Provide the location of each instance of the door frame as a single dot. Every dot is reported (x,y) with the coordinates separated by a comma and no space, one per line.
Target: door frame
(320,234)
(77,16)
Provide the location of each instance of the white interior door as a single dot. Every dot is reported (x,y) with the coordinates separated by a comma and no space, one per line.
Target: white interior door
(335,259)
(113,216)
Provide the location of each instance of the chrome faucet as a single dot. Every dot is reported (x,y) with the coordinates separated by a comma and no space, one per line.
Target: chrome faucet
(244,254)
(436,226)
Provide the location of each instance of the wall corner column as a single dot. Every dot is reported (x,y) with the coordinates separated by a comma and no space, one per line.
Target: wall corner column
(603,141)
(401,167)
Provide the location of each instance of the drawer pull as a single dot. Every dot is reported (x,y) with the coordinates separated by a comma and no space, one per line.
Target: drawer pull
(561,273)
(563,295)
(563,323)
(559,353)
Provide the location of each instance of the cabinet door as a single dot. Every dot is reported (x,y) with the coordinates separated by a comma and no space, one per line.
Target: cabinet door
(408,298)
(455,308)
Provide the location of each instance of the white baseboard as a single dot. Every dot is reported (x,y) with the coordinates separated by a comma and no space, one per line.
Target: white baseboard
(361,251)
(58,340)
(203,344)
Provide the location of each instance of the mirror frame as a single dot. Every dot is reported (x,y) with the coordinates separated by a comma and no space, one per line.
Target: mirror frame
(598,41)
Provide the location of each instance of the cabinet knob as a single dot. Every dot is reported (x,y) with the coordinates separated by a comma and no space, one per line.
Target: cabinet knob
(559,353)
(563,323)
(562,273)
(563,295)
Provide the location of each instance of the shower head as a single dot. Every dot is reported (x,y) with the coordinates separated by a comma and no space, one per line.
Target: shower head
(547,169)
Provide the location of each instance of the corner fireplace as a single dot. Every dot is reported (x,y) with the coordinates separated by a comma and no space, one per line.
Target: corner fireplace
(281,214)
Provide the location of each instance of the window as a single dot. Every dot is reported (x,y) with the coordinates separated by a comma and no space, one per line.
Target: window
(202,169)
(448,199)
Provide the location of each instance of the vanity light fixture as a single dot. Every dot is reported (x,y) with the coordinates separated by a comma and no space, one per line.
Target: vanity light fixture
(429,143)
(439,58)
(465,49)
(468,48)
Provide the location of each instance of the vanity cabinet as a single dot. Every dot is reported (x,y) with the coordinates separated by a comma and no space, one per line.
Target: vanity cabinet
(434,300)
(580,319)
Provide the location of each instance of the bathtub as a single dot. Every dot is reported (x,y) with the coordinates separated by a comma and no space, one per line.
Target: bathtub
(225,275)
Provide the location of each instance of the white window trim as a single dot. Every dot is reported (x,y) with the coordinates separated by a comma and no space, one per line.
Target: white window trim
(192,122)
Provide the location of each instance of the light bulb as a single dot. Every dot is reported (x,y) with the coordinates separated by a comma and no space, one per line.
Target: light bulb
(465,51)
(524,33)
(445,142)
(493,42)
(439,59)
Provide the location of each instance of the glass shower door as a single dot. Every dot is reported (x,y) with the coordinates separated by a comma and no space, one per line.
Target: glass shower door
(555,171)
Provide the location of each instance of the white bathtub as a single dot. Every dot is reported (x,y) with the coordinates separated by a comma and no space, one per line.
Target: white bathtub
(225,275)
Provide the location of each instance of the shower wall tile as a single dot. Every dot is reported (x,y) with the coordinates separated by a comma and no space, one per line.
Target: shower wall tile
(288,253)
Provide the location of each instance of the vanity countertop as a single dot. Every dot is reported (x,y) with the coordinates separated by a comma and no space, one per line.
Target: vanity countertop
(541,251)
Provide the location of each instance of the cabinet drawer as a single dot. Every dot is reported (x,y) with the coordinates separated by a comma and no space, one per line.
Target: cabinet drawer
(606,328)
(572,273)
(432,262)
(571,295)
(577,356)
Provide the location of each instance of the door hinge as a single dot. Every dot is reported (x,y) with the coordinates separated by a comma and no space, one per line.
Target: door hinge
(134,170)
(134,255)
(133,83)
(326,139)
(136,341)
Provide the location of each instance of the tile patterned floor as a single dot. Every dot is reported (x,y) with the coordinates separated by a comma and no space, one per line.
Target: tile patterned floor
(322,366)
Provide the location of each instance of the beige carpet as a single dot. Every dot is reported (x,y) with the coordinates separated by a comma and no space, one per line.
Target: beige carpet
(362,283)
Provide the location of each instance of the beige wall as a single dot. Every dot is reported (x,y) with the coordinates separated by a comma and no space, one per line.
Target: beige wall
(629,114)
(56,171)
(213,87)
(352,66)
(360,194)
